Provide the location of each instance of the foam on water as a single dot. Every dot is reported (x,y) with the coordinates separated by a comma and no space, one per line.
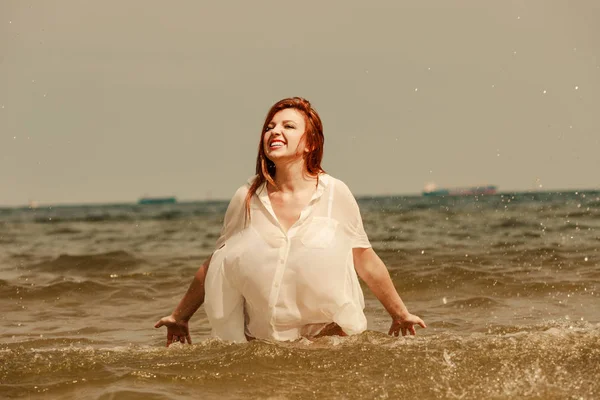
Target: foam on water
(551,360)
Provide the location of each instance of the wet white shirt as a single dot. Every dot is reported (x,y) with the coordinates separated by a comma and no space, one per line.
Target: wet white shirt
(269,284)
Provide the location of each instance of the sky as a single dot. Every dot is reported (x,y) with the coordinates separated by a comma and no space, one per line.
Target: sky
(109,101)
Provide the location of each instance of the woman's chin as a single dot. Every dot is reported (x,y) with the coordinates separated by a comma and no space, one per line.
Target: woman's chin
(277,154)
(284,158)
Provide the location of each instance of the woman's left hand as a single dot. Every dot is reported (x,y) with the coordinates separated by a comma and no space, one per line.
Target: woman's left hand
(405,324)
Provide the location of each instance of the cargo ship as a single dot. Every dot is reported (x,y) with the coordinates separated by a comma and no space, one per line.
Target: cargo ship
(157,200)
(433,190)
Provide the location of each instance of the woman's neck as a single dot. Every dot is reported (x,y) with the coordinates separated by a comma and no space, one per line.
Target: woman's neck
(292,177)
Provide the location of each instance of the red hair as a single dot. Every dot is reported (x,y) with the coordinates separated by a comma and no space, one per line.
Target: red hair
(265,168)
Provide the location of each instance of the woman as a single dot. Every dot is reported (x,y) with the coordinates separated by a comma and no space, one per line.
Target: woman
(292,242)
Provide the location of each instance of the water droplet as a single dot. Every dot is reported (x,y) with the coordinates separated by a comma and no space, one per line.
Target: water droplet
(576,87)
(544,92)
(585,259)
(416,89)
(519,17)
(493,86)
(422,251)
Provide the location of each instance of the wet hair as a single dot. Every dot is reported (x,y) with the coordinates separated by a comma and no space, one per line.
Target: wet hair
(313,135)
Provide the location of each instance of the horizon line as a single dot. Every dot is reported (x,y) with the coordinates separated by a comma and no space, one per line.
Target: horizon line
(218,200)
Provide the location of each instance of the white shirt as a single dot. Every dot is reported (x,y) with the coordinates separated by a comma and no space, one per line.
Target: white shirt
(270,284)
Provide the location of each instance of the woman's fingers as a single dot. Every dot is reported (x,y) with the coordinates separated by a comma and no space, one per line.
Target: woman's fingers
(176,332)
(406,327)
(178,338)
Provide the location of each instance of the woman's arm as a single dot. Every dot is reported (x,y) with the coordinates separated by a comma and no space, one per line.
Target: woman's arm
(194,297)
(373,271)
(177,322)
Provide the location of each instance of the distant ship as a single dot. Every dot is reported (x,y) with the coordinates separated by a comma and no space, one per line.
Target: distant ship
(157,200)
(433,190)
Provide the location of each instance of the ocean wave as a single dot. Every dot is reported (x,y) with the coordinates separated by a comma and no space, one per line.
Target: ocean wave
(59,289)
(125,213)
(552,285)
(474,302)
(454,273)
(552,361)
(118,261)
(507,244)
(393,239)
(110,288)
(64,231)
(570,226)
(45,219)
(513,223)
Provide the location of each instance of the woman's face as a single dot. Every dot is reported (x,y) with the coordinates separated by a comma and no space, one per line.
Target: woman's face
(284,137)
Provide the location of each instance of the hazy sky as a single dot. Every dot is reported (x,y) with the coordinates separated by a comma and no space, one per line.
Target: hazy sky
(107,101)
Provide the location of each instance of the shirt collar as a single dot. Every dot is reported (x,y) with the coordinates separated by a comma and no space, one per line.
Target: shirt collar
(263,194)
(324,181)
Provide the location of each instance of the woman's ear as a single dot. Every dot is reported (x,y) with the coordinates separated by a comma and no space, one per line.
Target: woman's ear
(308,149)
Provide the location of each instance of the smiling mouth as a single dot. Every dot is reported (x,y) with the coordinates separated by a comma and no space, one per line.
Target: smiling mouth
(276,144)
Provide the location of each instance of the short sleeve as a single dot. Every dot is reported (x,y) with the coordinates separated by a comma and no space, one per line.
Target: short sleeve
(353,224)
(235,216)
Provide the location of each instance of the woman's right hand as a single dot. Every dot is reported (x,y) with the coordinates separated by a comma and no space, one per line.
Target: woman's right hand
(177,330)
